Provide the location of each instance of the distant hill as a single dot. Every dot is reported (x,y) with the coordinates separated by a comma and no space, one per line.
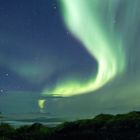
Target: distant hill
(101,127)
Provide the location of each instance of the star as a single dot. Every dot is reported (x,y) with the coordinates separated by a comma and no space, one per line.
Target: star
(54,7)
(1,90)
(7,74)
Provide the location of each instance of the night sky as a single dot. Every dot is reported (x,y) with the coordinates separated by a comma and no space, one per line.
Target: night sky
(80,57)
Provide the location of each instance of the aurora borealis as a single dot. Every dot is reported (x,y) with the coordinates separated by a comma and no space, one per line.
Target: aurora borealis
(84,19)
(67,53)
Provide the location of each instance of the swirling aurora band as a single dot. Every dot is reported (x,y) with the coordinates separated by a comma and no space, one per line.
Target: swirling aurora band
(85,20)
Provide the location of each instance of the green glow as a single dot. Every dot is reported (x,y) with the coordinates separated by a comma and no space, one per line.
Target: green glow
(41,103)
(85,19)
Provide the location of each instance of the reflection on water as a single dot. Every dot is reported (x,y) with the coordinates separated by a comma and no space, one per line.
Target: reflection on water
(22,123)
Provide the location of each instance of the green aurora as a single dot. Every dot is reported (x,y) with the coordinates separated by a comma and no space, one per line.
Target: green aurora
(42,69)
(92,22)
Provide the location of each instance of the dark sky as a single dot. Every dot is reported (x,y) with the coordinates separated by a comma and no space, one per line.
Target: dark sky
(39,53)
(36,50)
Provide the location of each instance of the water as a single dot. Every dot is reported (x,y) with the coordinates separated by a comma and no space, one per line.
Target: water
(17,124)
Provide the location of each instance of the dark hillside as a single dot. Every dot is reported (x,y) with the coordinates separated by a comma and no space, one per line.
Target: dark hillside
(102,127)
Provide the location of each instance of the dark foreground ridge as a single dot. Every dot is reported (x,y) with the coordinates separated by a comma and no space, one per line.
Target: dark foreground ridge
(102,127)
